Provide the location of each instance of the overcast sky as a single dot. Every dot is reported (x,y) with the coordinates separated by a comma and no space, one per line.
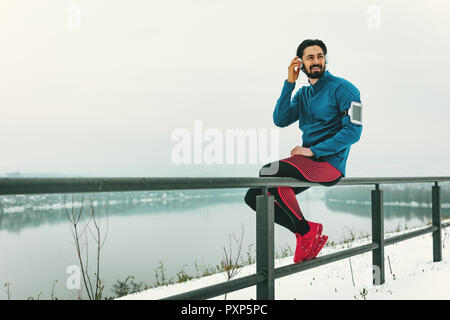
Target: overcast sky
(98,87)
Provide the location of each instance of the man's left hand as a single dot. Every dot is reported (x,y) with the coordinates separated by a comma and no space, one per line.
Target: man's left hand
(301,151)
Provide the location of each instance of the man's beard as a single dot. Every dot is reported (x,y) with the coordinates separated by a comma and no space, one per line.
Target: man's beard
(316,74)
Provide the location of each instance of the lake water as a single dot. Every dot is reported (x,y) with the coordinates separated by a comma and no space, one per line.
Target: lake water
(37,248)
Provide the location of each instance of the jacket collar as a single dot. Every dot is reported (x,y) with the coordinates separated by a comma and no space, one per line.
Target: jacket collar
(321,82)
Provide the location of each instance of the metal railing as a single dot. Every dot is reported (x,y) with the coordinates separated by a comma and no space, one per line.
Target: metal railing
(265,275)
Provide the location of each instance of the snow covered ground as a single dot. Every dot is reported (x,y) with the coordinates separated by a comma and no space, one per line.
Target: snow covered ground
(410,274)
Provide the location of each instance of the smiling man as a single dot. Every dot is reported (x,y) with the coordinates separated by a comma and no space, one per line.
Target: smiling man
(314,56)
(322,109)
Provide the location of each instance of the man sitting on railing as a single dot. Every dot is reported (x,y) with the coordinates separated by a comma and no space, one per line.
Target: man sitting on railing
(328,132)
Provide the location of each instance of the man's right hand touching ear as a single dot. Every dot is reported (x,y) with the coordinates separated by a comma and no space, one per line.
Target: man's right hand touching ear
(294,69)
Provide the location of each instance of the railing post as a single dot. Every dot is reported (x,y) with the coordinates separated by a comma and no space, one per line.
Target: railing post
(436,221)
(265,245)
(378,235)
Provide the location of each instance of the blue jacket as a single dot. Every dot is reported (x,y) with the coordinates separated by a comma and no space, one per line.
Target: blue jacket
(319,109)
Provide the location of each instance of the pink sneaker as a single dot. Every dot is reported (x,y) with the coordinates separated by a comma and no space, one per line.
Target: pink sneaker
(305,243)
